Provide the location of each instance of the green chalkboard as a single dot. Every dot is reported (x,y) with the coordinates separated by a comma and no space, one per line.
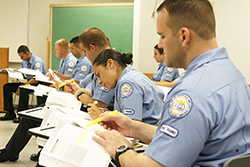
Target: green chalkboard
(115,21)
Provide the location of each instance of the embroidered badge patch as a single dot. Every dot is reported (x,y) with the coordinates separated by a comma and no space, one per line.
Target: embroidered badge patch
(126,90)
(170,69)
(70,64)
(69,69)
(169,130)
(84,68)
(37,64)
(180,106)
(128,111)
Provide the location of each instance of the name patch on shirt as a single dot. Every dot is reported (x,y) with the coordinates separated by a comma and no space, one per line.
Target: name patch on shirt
(128,111)
(168,75)
(126,90)
(169,130)
(180,106)
(104,88)
(37,64)
(84,68)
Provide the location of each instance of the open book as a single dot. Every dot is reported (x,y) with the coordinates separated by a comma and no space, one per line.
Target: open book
(70,143)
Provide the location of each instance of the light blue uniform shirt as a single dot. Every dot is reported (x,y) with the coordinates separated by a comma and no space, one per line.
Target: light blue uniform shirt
(67,65)
(205,118)
(82,68)
(138,97)
(165,73)
(35,63)
(101,93)
(86,83)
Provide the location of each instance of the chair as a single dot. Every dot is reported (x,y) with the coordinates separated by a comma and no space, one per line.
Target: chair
(240,161)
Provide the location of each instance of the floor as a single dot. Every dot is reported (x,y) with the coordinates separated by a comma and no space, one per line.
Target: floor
(6,130)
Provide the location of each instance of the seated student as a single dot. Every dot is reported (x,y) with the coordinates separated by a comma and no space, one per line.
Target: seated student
(30,61)
(67,62)
(163,76)
(16,144)
(205,118)
(83,66)
(135,94)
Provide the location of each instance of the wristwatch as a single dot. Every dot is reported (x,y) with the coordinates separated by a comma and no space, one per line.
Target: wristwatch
(79,94)
(120,150)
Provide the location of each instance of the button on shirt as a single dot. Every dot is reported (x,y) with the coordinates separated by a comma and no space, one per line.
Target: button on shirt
(205,118)
(165,73)
(67,64)
(35,63)
(138,97)
(82,68)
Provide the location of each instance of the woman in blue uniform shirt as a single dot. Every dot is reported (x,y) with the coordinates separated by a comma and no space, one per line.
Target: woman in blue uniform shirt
(163,76)
(135,94)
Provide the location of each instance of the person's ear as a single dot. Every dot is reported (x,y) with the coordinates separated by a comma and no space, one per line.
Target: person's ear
(92,47)
(185,36)
(110,63)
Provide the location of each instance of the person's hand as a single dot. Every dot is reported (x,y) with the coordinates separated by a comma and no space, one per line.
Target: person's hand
(49,75)
(58,74)
(73,87)
(111,140)
(119,122)
(57,83)
(18,91)
(94,111)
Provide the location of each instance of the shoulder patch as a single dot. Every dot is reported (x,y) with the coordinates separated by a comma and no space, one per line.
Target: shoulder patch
(70,64)
(126,90)
(180,105)
(169,130)
(84,68)
(38,65)
(69,69)
(170,69)
(128,111)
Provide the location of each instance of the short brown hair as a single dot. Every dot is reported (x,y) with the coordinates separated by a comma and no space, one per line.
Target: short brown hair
(196,15)
(63,43)
(93,36)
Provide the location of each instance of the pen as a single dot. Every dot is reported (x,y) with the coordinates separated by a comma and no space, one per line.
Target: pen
(71,80)
(98,120)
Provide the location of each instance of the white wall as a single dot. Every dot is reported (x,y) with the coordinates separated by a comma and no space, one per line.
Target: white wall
(14,22)
(233,24)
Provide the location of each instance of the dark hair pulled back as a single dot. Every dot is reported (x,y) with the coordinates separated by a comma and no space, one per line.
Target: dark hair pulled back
(121,59)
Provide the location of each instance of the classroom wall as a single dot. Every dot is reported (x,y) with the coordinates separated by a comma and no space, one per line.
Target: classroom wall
(233,21)
(231,16)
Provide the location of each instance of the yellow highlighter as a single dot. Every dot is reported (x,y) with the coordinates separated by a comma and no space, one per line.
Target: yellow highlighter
(63,84)
(98,120)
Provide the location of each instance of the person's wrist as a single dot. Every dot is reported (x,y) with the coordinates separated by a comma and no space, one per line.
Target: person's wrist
(79,94)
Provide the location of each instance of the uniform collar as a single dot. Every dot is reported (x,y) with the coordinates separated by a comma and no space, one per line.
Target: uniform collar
(68,55)
(31,59)
(211,55)
(126,70)
(82,57)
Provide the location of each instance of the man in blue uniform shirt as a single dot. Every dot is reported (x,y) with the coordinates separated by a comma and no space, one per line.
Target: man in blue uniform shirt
(163,76)
(83,66)
(205,118)
(67,62)
(30,61)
